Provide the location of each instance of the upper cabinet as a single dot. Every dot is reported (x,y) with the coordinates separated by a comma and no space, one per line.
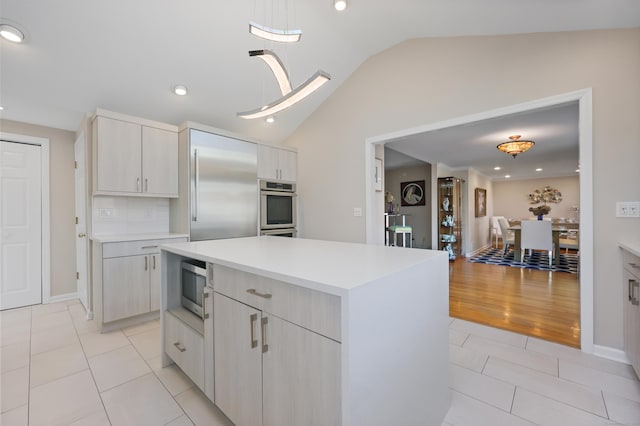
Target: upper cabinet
(276,163)
(134,158)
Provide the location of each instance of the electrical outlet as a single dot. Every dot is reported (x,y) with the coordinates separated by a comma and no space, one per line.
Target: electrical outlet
(628,209)
(357,211)
(105,212)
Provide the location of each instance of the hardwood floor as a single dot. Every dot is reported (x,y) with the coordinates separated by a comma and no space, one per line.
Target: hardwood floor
(536,303)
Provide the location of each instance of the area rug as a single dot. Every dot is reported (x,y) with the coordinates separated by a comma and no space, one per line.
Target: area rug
(539,260)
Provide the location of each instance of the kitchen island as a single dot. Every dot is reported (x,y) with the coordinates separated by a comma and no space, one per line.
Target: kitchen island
(299,331)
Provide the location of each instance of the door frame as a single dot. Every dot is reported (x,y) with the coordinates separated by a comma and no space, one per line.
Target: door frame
(43,143)
(373,211)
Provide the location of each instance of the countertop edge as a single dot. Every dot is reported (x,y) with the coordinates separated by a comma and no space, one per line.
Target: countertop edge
(120,238)
(631,247)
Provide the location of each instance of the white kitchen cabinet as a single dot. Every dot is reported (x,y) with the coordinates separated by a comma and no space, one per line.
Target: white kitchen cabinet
(238,360)
(267,368)
(185,346)
(127,280)
(134,159)
(276,163)
(631,308)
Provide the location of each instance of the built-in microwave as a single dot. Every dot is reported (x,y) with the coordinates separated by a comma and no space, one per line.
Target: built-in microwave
(192,282)
(277,205)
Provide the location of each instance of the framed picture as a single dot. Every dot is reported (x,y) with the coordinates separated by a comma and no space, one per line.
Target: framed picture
(481,202)
(412,193)
(378,175)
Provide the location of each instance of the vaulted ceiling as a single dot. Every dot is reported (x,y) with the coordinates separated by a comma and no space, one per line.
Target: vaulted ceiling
(127,55)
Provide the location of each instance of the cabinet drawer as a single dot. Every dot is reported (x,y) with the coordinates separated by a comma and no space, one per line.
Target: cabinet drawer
(133,248)
(311,309)
(185,347)
(631,263)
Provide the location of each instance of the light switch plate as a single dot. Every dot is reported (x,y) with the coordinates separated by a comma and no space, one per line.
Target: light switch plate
(357,211)
(628,209)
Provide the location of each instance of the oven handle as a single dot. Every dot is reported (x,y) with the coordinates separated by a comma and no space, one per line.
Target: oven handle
(280,193)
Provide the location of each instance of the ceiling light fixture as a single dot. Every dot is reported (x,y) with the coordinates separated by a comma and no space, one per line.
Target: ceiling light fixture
(340,5)
(515,146)
(293,97)
(497,168)
(273,34)
(11,33)
(507,176)
(538,169)
(180,90)
(276,67)
(270,119)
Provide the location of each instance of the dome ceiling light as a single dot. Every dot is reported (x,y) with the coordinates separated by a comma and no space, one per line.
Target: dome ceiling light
(11,33)
(515,146)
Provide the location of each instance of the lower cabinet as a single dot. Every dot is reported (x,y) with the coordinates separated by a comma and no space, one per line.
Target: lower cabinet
(126,290)
(631,309)
(272,372)
(185,346)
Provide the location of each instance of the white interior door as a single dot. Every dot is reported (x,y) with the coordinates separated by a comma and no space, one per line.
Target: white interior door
(21,225)
(82,246)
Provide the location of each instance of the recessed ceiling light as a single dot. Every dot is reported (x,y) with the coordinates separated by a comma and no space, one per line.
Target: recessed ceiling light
(507,176)
(538,169)
(340,5)
(11,33)
(497,168)
(270,119)
(1,108)
(578,170)
(180,90)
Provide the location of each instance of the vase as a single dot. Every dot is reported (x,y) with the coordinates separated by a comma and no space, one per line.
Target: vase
(540,216)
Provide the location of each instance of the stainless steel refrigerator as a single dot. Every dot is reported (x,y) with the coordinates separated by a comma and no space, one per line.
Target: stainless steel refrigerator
(223,187)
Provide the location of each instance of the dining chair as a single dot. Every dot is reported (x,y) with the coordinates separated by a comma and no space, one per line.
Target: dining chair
(508,236)
(495,228)
(536,235)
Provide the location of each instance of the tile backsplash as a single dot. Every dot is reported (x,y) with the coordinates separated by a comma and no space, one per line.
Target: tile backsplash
(129,215)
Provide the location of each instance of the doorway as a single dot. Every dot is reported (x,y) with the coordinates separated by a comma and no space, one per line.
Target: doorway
(22,266)
(584,99)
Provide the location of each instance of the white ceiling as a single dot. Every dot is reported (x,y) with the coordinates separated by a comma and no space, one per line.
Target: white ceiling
(126,55)
(554,131)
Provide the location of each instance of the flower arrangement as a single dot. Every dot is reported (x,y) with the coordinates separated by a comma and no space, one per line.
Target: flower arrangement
(540,210)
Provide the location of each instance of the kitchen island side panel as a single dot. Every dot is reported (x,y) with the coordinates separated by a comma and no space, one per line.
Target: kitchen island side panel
(396,348)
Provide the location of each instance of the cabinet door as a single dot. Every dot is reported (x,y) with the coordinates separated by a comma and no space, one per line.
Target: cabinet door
(267,162)
(159,162)
(237,360)
(301,377)
(154,282)
(118,156)
(288,165)
(208,344)
(125,287)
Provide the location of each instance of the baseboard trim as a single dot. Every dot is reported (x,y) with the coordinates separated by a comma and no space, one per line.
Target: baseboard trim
(480,250)
(611,353)
(63,297)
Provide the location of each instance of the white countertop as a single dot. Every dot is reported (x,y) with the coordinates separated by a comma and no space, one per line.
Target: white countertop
(630,246)
(135,237)
(329,266)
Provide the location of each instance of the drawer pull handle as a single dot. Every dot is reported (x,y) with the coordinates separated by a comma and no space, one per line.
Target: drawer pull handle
(265,346)
(149,247)
(180,347)
(146,263)
(257,293)
(252,323)
(205,314)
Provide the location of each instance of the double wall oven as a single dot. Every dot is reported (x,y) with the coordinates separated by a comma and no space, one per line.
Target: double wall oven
(278,208)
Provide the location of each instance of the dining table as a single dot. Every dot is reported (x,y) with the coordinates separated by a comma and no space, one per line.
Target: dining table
(555,235)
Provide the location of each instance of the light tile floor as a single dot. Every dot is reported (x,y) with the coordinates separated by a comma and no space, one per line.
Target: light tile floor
(57,370)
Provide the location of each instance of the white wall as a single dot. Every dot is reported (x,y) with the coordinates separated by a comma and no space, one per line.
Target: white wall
(430,80)
(479,230)
(419,217)
(62,198)
(511,198)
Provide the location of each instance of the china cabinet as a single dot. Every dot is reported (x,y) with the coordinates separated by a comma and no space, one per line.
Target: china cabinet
(449,216)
